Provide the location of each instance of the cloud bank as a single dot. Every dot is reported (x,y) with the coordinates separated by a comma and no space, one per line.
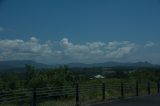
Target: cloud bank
(150,44)
(64,50)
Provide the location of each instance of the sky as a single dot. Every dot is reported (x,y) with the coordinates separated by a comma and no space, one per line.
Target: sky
(87,31)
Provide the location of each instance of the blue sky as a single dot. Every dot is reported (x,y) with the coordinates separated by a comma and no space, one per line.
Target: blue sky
(60,31)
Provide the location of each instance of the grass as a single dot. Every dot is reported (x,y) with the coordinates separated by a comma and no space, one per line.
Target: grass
(90,94)
(48,103)
(58,103)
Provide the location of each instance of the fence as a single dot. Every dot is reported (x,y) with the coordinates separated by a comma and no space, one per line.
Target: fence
(79,95)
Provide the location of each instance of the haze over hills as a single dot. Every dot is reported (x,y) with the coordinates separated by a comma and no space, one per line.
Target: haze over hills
(113,64)
(20,64)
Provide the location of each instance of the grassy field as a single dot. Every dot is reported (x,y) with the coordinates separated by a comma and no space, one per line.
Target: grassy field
(91,92)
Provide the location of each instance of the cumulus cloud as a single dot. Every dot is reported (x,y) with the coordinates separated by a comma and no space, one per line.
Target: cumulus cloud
(64,50)
(97,50)
(150,44)
(20,49)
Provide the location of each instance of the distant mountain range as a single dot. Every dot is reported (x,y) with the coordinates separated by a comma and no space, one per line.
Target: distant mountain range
(114,64)
(20,64)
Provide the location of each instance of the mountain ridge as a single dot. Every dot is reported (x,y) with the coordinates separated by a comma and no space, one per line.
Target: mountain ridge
(114,64)
(19,64)
(8,65)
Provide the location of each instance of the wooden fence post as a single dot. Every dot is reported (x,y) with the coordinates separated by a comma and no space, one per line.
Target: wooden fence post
(77,95)
(158,87)
(149,88)
(137,89)
(122,91)
(34,95)
(103,91)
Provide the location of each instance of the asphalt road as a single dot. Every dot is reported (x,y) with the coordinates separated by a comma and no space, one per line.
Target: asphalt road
(138,101)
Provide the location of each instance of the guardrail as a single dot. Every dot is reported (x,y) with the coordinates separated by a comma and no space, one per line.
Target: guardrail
(79,95)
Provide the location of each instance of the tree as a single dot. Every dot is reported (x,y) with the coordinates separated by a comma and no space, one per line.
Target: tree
(30,75)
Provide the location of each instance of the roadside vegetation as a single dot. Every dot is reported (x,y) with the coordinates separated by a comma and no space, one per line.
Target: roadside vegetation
(66,79)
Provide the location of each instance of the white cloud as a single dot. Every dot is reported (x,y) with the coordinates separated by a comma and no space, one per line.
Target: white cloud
(64,51)
(65,43)
(19,49)
(150,44)
(97,51)
(1,29)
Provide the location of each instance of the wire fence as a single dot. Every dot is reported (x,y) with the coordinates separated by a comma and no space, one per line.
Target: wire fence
(79,95)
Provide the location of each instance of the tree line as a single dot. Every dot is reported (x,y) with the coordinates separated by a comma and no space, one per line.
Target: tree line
(61,76)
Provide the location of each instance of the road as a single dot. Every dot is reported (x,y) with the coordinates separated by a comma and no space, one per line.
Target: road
(138,101)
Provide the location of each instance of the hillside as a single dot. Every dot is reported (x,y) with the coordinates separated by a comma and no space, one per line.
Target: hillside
(20,64)
(113,64)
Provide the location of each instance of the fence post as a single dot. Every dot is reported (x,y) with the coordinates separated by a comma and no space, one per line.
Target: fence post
(149,88)
(137,89)
(122,91)
(103,91)
(34,95)
(158,87)
(77,94)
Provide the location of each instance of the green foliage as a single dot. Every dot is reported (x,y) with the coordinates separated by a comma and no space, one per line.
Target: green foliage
(33,78)
(61,76)
(146,74)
